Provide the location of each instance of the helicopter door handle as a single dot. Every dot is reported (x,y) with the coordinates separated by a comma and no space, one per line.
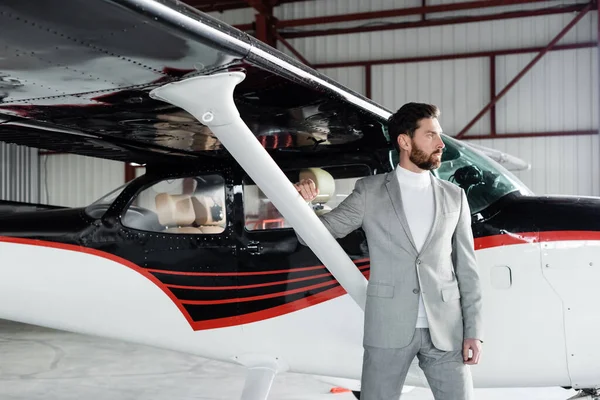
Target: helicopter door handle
(251,248)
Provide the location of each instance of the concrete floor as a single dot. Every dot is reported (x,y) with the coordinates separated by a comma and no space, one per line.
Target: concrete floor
(38,363)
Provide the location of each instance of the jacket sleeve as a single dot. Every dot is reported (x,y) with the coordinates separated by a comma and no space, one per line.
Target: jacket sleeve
(347,216)
(467,274)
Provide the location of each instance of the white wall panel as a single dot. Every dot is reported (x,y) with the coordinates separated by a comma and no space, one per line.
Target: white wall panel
(320,8)
(498,10)
(353,78)
(76,181)
(448,39)
(19,173)
(235,17)
(457,87)
(139,171)
(559,165)
(560,93)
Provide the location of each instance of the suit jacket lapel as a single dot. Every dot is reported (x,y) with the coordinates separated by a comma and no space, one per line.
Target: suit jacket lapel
(393,188)
(437,212)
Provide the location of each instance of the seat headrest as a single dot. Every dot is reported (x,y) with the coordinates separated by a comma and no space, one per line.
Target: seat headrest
(174,210)
(323,181)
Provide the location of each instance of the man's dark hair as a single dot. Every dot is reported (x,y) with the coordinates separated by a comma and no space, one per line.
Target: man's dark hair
(405,120)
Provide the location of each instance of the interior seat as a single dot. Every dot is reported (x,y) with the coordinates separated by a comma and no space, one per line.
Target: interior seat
(326,185)
(209,215)
(176,213)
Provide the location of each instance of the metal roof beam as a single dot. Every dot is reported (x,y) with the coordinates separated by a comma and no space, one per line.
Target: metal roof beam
(528,67)
(402,12)
(426,23)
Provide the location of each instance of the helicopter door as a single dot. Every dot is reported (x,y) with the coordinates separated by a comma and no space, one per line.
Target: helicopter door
(278,271)
(179,230)
(570,264)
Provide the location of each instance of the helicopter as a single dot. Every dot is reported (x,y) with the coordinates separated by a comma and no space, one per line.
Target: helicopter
(200,254)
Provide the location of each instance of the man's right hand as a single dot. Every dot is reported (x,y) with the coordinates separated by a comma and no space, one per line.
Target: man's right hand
(307,189)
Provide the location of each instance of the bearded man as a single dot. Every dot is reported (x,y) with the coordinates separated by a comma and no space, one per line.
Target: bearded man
(424,294)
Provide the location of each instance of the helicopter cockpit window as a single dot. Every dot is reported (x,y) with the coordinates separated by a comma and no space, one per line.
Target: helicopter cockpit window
(194,205)
(100,206)
(483,180)
(335,184)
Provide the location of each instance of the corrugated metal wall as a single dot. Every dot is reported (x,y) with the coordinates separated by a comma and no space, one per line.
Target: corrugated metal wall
(19,173)
(448,84)
(559,165)
(352,77)
(560,93)
(76,181)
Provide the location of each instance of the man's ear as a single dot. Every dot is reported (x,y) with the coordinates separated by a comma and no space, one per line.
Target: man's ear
(403,142)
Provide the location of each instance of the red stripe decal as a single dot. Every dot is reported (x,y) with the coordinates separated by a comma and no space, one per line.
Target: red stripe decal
(480,243)
(278,311)
(569,235)
(281,271)
(272,312)
(306,278)
(197,325)
(506,240)
(533,237)
(261,297)
(108,256)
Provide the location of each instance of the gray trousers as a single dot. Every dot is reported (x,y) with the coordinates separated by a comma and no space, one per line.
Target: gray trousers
(385,370)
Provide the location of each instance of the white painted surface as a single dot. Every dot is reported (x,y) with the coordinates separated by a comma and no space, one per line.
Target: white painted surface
(88,294)
(85,293)
(576,280)
(524,327)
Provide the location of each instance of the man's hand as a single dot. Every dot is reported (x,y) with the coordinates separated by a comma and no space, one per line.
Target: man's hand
(473,346)
(307,189)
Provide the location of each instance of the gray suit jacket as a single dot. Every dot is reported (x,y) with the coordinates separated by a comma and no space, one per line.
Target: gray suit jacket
(445,271)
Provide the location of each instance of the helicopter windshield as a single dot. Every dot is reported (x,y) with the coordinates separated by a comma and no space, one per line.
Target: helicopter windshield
(483,179)
(99,207)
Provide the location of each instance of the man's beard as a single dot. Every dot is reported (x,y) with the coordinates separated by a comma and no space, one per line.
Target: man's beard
(421,160)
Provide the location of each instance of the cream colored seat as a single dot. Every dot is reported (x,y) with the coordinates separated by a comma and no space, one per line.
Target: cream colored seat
(326,185)
(203,210)
(176,213)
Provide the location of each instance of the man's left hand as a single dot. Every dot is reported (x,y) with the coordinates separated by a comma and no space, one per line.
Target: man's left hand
(474,345)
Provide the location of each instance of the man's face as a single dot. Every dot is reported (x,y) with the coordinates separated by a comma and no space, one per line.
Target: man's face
(425,148)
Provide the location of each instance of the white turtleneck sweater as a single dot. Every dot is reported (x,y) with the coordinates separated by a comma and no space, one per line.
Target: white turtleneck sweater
(419,208)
